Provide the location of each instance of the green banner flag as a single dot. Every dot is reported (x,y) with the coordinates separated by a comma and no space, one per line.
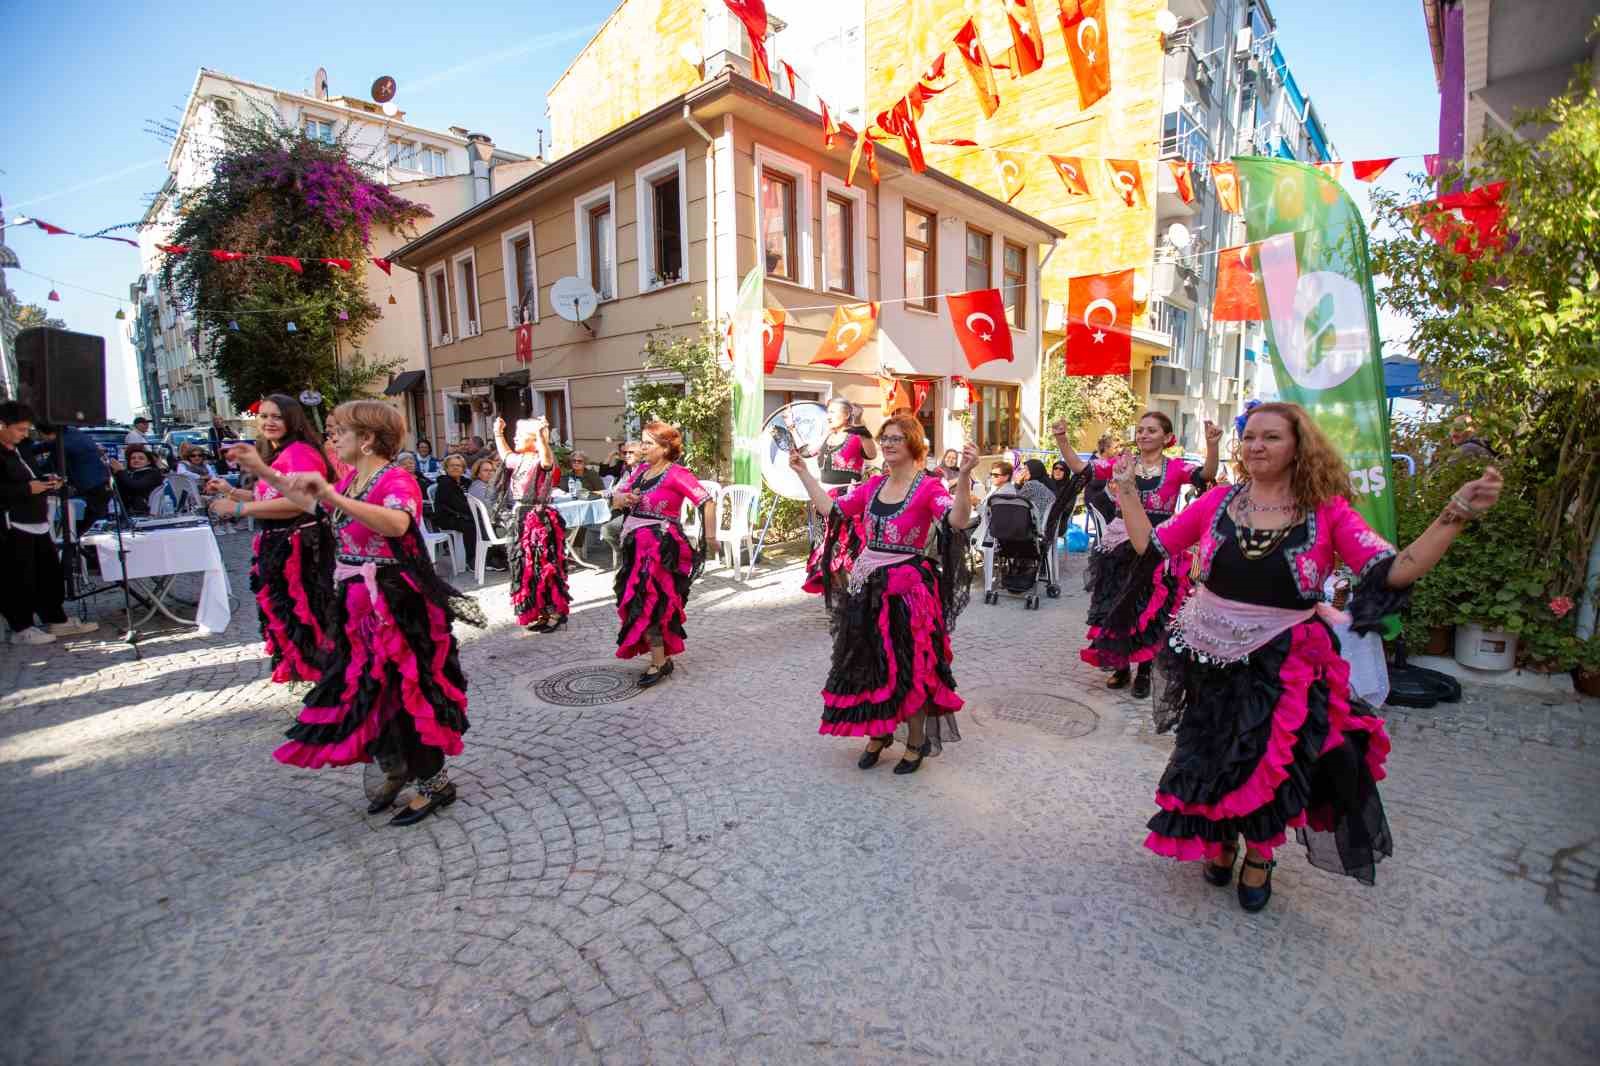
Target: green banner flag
(748,373)
(1321,318)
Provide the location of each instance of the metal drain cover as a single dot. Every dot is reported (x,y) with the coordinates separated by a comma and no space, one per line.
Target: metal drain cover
(588,686)
(1053,714)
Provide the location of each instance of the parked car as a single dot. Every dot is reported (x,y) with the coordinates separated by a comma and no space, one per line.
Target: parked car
(177,438)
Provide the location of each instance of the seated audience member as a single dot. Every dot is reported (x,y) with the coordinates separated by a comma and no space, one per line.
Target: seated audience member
(137,478)
(484,472)
(586,475)
(192,460)
(427,465)
(450,509)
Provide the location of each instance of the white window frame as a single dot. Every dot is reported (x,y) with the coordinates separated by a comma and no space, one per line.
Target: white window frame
(509,270)
(644,202)
(439,318)
(307,117)
(457,263)
(581,207)
(768,159)
(539,388)
(832,186)
(399,162)
(433,149)
(967,229)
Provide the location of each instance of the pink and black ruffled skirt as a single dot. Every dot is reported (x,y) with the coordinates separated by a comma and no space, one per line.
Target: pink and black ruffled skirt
(891,657)
(655,567)
(537,558)
(291,575)
(1131,597)
(835,553)
(1269,744)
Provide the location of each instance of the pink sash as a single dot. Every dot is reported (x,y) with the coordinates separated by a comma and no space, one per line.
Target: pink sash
(1228,631)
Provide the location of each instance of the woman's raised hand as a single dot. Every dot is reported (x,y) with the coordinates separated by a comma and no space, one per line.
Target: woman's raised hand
(248,459)
(306,489)
(1059,427)
(969,457)
(1476,497)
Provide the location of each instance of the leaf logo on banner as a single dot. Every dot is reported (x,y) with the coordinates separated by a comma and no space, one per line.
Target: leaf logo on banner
(1126,179)
(980,322)
(1087,48)
(852,327)
(1069,168)
(1319,319)
(1226,177)
(1008,169)
(979,69)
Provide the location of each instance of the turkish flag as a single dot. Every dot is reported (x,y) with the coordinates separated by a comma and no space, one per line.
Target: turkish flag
(227,257)
(1371,169)
(976,58)
(342,264)
(753,13)
(1470,222)
(788,72)
(383,265)
(919,393)
(864,147)
(1183,174)
(48,228)
(525,343)
(852,327)
(173,249)
(829,128)
(980,321)
(1027,41)
(899,122)
(1236,299)
(1226,177)
(1008,168)
(772,320)
(1333,169)
(1087,48)
(1070,169)
(893,396)
(288,261)
(1126,179)
(1100,314)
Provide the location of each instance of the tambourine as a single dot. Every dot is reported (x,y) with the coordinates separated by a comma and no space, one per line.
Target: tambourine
(801,426)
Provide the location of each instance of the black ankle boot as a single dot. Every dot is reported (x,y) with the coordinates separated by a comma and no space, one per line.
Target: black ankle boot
(436,799)
(1141,682)
(911,766)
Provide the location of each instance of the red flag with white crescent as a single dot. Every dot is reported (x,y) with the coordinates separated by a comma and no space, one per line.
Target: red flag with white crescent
(226,257)
(1008,168)
(1371,169)
(287,261)
(1226,178)
(1100,314)
(383,265)
(753,14)
(1236,299)
(829,128)
(865,147)
(1069,168)
(1087,47)
(893,396)
(1470,222)
(899,122)
(525,343)
(772,321)
(979,318)
(976,58)
(852,327)
(1126,180)
(1183,174)
(1027,43)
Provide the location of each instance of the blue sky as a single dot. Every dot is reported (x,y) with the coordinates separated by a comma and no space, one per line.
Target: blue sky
(85,79)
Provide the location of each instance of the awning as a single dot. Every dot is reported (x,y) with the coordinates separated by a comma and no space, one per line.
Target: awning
(1402,379)
(404,381)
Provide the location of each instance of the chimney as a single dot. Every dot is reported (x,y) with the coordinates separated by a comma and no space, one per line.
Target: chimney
(480,151)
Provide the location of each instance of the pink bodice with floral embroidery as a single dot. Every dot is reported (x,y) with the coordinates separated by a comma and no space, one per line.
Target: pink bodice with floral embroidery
(846,458)
(906,528)
(297,458)
(393,487)
(662,497)
(1160,499)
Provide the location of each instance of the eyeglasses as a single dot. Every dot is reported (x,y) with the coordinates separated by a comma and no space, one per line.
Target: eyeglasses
(891,440)
(998,473)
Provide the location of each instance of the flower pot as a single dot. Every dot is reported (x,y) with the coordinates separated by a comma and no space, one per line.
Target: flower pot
(1587,681)
(1485,649)
(1438,641)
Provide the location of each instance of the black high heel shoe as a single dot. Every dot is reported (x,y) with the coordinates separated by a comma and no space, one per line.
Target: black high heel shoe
(1254,899)
(551,626)
(412,815)
(1220,875)
(654,675)
(1141,682)
(869,758)
(1118,680)
(385,799)
(911,766)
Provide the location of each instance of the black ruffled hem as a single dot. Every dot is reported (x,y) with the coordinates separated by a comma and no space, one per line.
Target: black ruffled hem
(671,545)
(272,574)
(1373,600)
(525,567)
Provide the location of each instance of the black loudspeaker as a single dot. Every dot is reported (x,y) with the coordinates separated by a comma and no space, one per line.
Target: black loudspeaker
(62,376)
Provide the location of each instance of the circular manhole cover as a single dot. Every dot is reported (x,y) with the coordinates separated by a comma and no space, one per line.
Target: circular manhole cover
(588,686)
(1053,714)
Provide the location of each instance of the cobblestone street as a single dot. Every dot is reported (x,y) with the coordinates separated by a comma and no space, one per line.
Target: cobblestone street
(690,874)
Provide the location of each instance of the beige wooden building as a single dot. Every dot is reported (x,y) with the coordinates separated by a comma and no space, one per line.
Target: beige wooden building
(662,215)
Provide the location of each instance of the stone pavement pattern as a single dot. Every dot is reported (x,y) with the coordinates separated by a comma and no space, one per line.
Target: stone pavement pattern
(692,875)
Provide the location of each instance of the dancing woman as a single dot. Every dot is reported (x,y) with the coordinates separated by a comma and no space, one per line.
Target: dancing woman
(655,562)
(891,642)
(1110,566)
(1268,737)
(392,688)
(291,569)
(841,462)
(538,549)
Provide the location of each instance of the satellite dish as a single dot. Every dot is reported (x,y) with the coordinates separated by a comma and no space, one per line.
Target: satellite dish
(383,90)
(319,83)
(573,299)
(805,422)
(390,109)
(1166,22)
(1178,235)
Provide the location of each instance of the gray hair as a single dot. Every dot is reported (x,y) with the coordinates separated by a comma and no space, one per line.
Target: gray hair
(579,455)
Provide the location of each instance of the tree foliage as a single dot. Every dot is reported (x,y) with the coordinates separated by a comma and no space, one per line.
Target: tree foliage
(32,316)
(1108,400)
(274,191)
(692,392)
(1516,333)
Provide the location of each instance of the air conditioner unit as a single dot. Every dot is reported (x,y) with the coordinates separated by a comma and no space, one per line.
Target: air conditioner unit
(471,330)
(1241,43)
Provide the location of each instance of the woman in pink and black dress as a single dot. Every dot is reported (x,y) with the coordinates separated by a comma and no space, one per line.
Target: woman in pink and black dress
(891,638)
(656,564)
(1110,566)
(841,464)
(291,573)
(1269,737)
(538,550)
(392,690)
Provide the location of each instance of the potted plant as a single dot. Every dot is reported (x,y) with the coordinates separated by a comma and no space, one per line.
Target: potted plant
(1586,671)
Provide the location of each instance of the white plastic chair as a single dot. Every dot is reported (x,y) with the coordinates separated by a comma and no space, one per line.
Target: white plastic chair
(714,488)
(739,503)
(607,481)
(451,538)
(689,517)
(433,490)
(486,535)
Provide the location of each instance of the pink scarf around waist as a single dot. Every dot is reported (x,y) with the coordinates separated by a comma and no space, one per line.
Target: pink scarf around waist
(1228,631)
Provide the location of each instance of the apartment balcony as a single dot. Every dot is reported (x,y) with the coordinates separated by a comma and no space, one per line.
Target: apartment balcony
(1183,64)
(1169,380)
(1173,281)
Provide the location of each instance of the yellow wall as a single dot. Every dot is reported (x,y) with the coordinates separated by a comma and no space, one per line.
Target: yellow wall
(1039,113)
(631,66)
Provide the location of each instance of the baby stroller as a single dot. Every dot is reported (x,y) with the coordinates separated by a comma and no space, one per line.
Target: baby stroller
(1021,557)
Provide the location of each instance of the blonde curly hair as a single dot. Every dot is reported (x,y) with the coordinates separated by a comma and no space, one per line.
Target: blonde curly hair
(1319,472)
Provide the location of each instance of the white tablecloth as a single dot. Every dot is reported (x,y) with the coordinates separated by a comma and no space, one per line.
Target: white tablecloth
(1369,670)
(157,553)
(577,513)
